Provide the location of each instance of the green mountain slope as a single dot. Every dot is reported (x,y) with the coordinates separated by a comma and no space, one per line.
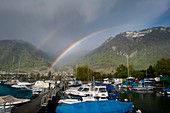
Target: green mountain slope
(17,54)
(141,48)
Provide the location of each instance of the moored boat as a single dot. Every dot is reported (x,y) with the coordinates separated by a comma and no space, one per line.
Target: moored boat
(165,91)
(95,90)
(8,99)
(142,86)
(106,106)
(6,89)
(129,82)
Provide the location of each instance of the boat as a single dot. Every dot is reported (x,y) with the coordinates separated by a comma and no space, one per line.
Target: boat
(112,93)
(72,100)
(42,86)
(22,85)
(143,86)
(82,91)
(7,103)
(96,90)
(165,91)
(6,89)
(10,100)
(129,82)
(5,108)
(105,106)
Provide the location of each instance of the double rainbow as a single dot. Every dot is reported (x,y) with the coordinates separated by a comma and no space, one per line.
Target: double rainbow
(73,46)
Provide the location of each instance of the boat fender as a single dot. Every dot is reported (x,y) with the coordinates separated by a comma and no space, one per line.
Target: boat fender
(138,111)
(125,99)
(80,99)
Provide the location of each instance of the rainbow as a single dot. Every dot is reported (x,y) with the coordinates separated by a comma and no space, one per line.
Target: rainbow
(73,46)
(46,39)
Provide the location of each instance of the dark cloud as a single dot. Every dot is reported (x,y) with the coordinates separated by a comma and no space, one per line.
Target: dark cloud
(66,21)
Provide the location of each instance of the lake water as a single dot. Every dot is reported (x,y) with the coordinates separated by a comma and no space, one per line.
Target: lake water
(147,102)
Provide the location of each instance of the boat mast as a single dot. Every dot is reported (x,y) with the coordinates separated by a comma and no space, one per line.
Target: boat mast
(127,57)
(76,71)
(19,66)
(13,60)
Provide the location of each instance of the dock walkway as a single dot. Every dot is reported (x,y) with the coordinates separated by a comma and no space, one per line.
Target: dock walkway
(44,103)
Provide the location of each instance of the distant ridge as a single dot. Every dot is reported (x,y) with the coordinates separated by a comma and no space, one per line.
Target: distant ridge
(143,48)
(20,54)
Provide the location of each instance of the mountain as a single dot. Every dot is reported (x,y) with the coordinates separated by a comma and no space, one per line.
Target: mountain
(23,56)
(139,48)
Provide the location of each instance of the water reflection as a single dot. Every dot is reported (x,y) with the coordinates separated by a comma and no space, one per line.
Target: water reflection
(147,102)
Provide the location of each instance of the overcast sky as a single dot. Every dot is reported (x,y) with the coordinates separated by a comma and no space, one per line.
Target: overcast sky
(54,25)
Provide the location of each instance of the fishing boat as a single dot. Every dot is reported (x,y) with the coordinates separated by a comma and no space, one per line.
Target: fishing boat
(105,106)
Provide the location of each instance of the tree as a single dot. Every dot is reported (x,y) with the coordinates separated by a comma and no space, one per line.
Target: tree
(150,72)
(162,67)
(121,71)
(49,75)
(84,73)
(138,74)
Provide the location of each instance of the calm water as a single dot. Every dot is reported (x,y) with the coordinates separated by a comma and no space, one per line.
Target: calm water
(147,102)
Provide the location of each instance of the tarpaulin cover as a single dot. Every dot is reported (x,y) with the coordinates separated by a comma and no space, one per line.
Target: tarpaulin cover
(112,93)
(107,106)
(166,89)
(6,89)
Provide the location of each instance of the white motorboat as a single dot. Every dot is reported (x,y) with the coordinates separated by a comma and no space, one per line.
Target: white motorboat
(98,91)
(70,100)
(42,86)
(82,91)
(10,100)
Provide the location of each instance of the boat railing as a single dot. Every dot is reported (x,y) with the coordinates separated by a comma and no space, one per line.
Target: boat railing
(47,95)
(44,100)
(6,107)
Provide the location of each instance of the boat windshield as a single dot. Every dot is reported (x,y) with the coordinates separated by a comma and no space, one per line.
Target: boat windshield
(112,92)
(102,89)
(95,89)
(79,89)
(85,89)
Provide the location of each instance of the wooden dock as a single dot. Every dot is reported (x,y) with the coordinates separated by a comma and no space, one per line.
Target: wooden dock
(44,103)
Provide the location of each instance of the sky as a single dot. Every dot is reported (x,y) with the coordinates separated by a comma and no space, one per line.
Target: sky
(55,25)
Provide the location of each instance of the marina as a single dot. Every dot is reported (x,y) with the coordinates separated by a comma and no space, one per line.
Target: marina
(93,56)
(50,99)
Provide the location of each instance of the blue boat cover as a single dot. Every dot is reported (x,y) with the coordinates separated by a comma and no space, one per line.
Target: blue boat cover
(106,106)
(112,93)
(6,89)
(166,89)
(97,83)
(110,87)
(142,81)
